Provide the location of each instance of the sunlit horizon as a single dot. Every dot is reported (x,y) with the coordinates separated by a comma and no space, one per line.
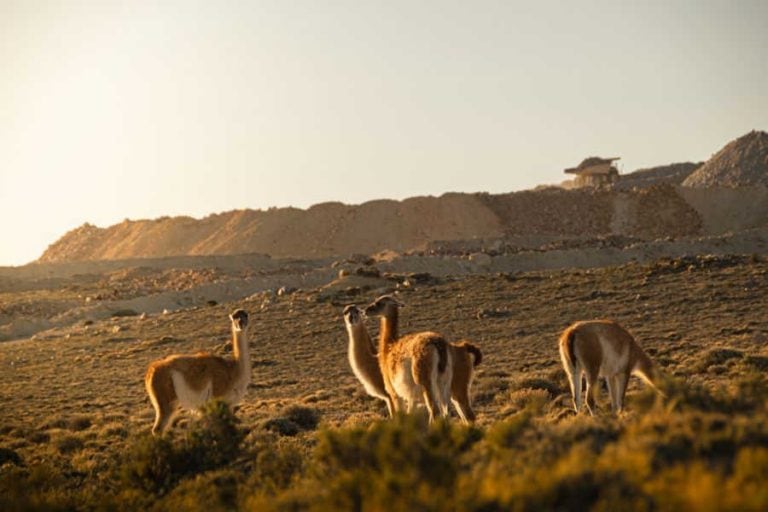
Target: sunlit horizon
(136,111)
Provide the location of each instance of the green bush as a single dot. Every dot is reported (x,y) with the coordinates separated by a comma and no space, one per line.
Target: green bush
(306,418)
(293,420)
(397,464)
(275,464)
(703,448)
(152,465)
(214,491)
(716,356)
(39,487)
(157,464)
(214,440)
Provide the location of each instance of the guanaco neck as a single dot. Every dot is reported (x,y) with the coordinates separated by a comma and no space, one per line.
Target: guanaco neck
(388,334)
(360,344)
(240,350)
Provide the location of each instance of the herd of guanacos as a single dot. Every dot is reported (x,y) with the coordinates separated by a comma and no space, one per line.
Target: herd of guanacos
(403,370)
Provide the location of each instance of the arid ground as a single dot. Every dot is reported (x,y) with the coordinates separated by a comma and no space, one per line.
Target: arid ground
(73,397)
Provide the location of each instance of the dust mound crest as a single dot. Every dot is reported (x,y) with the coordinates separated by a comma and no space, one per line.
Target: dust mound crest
(672,174)
(742,162)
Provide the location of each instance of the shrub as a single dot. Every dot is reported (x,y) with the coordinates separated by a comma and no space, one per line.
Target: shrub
(716,357)
(293,420)
(9,456)
(758,362)
(277,463)
(69,444)
(534,399)
(539,383)
(156,464)
(282,426)
(506,434)
(152,465)
(214,440)
(214,491)
(306,418)
(40,487)
(396,464)
(39,437)
(79,423)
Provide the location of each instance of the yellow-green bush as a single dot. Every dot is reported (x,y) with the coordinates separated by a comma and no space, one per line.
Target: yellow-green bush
(702,448)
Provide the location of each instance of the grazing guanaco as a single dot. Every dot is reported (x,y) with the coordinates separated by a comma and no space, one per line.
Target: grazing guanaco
(187,381)
(602,348)
(415,367)
(363,358)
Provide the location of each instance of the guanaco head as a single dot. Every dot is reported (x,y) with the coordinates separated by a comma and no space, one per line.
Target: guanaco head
(383,306)
(239,319)
(353,315)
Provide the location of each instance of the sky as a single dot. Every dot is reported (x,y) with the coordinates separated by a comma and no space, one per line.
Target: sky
(113,110)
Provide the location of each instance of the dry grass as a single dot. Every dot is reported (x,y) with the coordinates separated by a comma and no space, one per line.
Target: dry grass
(75,416)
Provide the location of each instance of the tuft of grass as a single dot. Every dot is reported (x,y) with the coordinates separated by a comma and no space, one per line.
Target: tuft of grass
(527,398)
(545,384)
(306,418)
(39,437)
(214,491)
(8,456)
(485,390)
(79,423)
(293,420)
(282,426)
(114,430)
(716,357)
(759,363)
(67,444)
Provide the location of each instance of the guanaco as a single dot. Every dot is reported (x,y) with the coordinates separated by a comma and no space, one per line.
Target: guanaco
(602,348)
(417,366)
(183,381)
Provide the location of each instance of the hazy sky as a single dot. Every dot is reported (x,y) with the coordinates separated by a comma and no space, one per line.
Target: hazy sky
(114,110)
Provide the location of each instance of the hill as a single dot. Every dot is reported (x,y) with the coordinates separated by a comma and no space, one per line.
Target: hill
(742,162)
(333,229)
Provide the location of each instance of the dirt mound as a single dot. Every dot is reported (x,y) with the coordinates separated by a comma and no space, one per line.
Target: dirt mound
(742,162)
(672,174)
(662,212)
(552,211)
(333,229)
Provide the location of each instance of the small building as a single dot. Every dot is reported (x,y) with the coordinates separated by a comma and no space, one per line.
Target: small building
(595,172)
